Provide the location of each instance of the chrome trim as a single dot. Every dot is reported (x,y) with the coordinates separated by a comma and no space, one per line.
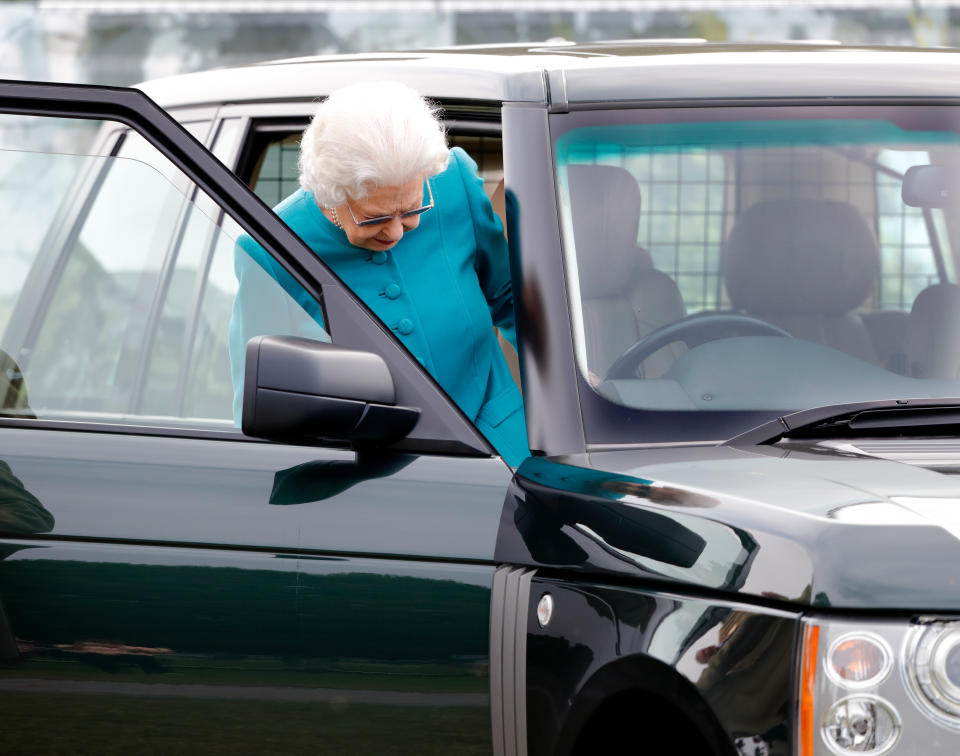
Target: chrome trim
(878,702)
(651,445)
(509,608)
(942,453)
(923,671)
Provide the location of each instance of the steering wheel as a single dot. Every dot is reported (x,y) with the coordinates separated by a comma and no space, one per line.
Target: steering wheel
(692,330)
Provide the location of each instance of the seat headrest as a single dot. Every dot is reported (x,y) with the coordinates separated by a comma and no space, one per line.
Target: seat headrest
(931,343)
(605,206)
(800,256)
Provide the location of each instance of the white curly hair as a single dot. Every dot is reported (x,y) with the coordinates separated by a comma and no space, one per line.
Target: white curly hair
(367,135)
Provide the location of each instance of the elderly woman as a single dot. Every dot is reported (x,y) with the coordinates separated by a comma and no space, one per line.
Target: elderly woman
(403,220)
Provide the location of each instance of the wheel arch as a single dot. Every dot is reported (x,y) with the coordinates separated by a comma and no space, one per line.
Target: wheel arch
(631,691)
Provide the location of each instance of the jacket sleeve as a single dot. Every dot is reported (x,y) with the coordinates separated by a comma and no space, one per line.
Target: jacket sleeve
(492,261)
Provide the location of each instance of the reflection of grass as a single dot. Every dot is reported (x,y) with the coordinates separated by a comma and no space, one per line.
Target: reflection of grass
(50,724)
(209,610)
(180,670)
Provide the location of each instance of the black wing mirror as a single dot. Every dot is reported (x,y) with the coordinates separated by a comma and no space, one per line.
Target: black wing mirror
(299,389)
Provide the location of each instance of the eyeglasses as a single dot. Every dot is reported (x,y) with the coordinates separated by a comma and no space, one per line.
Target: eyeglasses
(384,218)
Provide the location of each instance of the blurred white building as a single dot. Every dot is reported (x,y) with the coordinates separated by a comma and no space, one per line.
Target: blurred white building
(124,41)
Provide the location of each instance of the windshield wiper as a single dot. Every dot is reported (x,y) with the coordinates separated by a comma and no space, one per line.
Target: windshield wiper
(878,418)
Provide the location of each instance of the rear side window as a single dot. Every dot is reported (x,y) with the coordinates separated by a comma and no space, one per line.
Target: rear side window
(275,173)
(271,169)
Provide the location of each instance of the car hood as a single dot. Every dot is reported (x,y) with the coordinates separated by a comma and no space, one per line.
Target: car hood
(815,525)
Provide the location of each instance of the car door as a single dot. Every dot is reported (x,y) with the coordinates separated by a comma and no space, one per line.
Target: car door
(168,583)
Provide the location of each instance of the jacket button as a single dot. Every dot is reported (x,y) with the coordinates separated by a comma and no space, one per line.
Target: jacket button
(379,257)
(392,291)
(405,326)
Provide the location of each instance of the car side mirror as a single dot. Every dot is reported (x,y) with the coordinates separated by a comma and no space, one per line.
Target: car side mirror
(300,389)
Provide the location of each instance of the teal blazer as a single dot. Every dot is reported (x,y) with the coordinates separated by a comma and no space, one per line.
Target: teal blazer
(441,290)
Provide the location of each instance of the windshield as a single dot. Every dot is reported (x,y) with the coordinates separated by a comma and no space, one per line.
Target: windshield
(734,264)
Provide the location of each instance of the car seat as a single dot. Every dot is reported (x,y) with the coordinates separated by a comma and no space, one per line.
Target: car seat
(805,265)
(932,346)
(623,296)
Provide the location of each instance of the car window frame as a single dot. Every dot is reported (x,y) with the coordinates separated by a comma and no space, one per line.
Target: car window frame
(606,425)
(346,315)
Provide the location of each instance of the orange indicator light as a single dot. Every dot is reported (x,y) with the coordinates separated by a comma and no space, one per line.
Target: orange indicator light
(808,679)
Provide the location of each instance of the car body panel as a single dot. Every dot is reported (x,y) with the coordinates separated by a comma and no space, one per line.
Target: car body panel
(495,82)
(745,73)
(195,492)
(569,75)
(606,639)
(182,570)
(760,522)
(268,648)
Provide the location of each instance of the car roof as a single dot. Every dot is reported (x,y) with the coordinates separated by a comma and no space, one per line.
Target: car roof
(567,75)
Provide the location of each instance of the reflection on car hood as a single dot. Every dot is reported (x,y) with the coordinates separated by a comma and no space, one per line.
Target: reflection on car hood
(815,524)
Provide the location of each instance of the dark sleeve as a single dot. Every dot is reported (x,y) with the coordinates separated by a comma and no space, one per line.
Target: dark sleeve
(492,262)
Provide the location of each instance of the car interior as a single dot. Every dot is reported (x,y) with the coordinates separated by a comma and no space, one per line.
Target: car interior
(830,241)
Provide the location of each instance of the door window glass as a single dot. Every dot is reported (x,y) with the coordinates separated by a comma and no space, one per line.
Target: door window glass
(88,347)
(123,304)
(33,184)
(171,329)
(209,386)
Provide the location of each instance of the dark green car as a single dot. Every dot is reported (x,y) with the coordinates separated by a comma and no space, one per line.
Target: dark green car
(738,532)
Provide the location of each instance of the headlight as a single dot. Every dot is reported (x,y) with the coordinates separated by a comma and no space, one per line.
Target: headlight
(932,670)
(861,724)
(852,701)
